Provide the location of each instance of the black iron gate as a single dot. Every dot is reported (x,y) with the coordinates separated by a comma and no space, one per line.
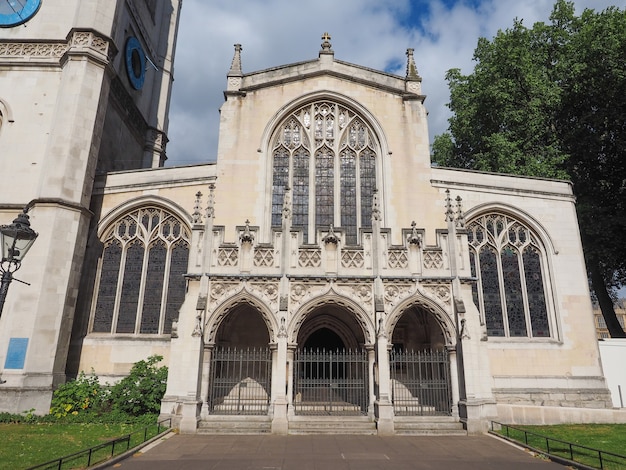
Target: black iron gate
(420,383)
(240,381)
(330,382)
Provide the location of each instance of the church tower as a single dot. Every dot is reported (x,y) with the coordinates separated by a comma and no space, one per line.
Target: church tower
(84,89)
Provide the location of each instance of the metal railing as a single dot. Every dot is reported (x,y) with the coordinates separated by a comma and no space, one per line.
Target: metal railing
(240,381)
(558,448)
(420,383)
(107,450)
(331,383)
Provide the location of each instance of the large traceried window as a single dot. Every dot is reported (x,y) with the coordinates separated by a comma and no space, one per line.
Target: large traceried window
(508,260)
(326,154)
(140,280)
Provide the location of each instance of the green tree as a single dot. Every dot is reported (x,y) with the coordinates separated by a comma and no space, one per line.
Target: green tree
(550,101)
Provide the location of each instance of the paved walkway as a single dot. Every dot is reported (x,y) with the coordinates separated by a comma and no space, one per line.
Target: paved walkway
(345,452)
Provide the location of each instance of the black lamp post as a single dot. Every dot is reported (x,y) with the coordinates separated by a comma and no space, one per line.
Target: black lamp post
(16,239)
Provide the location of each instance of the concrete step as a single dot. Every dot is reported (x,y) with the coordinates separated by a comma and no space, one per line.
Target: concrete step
(428,426)
(361,425)
(217,424)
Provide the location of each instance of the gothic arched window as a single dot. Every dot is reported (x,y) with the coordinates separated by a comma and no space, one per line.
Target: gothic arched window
(326,154)
(140,280)
(508,260)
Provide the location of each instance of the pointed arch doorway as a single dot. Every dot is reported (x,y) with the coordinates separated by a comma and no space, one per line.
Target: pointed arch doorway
(241,365)
(330,365)
(420,366)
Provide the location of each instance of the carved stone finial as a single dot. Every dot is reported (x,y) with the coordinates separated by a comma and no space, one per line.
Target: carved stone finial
(415,238)
(196,217)
(326,45)
(376,215)
(331,237)
(247,236)
(449,210)
(411,69)
(235,66)
(210,210)
(197,331)
(282,330)
(460,216)
(287,204)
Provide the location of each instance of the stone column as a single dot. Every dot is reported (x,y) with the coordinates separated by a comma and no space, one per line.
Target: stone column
(371,371)
(383,406)
(291,349)
(280,386)
(204,385)
(454,380)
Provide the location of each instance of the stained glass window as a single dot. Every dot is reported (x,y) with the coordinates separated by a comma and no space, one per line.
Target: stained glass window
(328,148)
(141,284)
(348,195)
(506,258)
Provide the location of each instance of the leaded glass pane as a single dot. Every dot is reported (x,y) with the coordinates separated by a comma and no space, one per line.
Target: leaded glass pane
(322,130)
(324,188)
(367,173)
(176,284)
(513,292)
(109,273)
(491,292)
(151,312)
(300,206)
(348,195)
(536,295)
(130,288)
(279,183)
(473,273)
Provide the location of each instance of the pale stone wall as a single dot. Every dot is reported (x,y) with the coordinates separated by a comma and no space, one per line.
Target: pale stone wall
(55,78)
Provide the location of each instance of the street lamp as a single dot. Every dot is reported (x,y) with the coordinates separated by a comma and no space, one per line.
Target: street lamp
(16,239)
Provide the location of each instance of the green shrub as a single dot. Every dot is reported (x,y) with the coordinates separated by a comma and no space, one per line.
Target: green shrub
(78,396)
(142,390)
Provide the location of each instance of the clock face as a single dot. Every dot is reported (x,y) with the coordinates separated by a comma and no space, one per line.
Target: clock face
(135,59)
(16,12)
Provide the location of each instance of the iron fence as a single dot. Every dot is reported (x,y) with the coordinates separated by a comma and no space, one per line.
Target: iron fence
(330,382)
(240,381)
(552,447)
(420,383)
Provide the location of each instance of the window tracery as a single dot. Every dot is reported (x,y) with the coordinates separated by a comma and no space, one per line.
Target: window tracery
(328,148)
(140,280)
(507,259)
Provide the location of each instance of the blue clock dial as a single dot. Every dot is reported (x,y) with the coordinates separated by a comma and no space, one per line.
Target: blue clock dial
(16,12)
(135,59)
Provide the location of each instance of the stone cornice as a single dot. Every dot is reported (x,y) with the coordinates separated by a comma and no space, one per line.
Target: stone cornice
(78,42)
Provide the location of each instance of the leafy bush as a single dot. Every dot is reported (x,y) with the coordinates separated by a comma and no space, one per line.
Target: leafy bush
(80,395)
(141,391)
(136,398)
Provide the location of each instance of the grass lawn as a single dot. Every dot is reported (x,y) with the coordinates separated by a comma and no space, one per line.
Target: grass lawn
(25,445)
(605,437)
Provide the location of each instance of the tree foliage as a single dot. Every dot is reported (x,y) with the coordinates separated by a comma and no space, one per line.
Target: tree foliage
(550,101)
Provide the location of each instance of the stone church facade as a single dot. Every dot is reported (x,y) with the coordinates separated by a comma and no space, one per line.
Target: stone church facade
(321,272)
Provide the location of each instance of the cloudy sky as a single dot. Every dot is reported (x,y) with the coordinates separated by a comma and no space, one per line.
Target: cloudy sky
(372,33)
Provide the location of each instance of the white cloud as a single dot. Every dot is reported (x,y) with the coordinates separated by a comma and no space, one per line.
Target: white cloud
(372,33)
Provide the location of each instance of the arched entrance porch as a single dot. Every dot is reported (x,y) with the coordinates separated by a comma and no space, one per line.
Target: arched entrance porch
(419,362)
(330,365)
(241,365)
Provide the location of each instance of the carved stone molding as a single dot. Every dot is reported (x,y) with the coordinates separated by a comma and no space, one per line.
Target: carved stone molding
(77,42)
(438,291)
(33,50)
(395,292)
(268,291)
